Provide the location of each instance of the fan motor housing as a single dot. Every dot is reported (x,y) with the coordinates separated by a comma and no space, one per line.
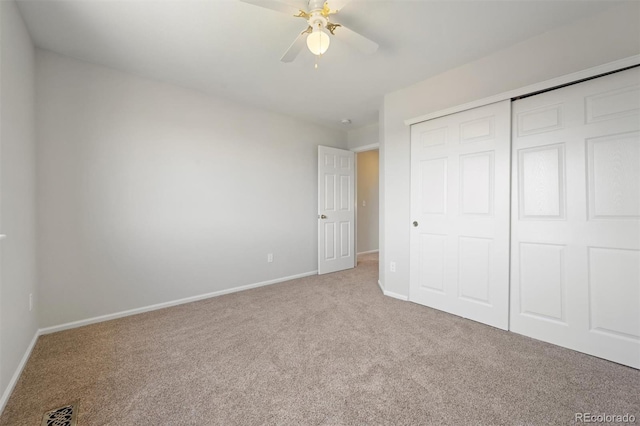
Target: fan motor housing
(317,20)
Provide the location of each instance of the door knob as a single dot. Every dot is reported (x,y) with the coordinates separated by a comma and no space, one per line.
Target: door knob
(322,216)
(415,224)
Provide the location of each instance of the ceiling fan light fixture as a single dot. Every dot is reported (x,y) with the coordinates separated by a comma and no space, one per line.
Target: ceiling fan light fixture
(318,41)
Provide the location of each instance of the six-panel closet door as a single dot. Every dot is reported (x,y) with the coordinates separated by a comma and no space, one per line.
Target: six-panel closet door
(575,223)
(574,249)
(460,214)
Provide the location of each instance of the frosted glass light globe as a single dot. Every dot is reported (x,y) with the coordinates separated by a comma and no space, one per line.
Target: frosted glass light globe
(318,42)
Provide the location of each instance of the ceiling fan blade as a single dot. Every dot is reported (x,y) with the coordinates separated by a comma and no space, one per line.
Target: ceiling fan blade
(295,47)
(279,6)
(356,40)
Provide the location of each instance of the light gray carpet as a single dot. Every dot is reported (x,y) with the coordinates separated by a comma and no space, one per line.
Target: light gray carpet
(323,350)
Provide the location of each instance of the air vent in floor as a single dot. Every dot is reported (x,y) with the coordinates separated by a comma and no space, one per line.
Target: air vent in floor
(63,416)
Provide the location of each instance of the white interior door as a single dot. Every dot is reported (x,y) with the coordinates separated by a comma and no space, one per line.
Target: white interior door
(336,219)
(576,217)
(460,213)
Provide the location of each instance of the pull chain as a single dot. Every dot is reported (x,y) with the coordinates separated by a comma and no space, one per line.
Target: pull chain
(319,46)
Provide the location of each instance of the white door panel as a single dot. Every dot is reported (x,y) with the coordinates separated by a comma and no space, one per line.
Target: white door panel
(575,269)
(460,202)
(336,219)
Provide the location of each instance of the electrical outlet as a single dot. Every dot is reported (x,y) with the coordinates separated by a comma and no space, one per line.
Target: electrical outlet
(392,266)
(30,302)
(364,203)
(269,257)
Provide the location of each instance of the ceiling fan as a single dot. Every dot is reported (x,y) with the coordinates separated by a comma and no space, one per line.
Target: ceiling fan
(319,27)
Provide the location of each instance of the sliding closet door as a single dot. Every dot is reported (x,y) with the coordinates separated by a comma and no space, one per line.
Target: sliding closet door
(460,214)
(575,267)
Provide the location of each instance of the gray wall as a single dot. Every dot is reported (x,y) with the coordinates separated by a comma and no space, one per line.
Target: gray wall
(18,325)
(612,35)
(363,136)
(150,193)
(368,207)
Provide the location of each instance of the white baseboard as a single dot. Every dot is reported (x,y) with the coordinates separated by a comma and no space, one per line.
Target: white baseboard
(380,285)
(16,375)
(396,295)
(88,321)
(367,252)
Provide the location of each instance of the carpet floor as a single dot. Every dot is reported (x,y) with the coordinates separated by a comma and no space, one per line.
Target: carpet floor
(321,350)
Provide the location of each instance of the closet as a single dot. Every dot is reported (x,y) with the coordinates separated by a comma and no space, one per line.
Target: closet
(526,215)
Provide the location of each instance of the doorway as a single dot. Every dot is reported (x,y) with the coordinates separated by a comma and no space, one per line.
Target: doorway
(367,204)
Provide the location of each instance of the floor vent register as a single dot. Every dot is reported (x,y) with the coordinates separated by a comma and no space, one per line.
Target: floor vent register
(63,416)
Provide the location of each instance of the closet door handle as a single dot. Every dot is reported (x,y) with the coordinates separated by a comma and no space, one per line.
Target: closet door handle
(415,224)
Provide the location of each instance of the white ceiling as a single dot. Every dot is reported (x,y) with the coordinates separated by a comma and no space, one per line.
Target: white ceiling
(233,49)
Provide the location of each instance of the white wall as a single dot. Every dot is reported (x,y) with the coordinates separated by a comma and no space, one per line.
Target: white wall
(17,193)
(367,207)
(150,193)
(612,35)
(363,136)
